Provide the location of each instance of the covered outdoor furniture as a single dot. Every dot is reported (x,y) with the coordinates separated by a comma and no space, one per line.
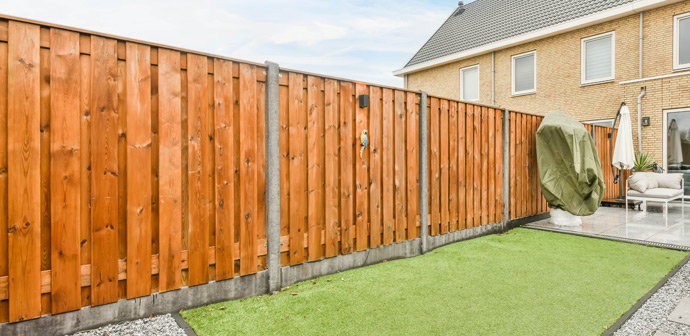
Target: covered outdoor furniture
(569,168)
(654,187)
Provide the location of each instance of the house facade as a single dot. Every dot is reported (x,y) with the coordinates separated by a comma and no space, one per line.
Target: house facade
(581,57)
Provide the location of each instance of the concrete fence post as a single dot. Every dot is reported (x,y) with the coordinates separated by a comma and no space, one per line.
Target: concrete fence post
(506,168)
(423,174)
(273,176)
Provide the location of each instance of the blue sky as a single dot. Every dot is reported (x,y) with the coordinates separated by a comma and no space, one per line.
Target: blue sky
(362,40)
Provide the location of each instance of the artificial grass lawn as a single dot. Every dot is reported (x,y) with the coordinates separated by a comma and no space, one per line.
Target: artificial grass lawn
(524,282)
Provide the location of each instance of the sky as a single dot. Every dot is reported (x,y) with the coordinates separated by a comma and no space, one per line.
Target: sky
(354,39)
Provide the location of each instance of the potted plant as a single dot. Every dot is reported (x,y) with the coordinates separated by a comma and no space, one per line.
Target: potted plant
(644,162)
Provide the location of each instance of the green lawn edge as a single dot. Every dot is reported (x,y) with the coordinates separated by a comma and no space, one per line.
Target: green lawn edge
(517,283)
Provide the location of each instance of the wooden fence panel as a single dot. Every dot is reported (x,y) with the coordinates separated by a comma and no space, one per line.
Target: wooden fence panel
(170,169)
(65,175)
(139,175)
(400,167)
(24,163)
(104,191)
(375,178)
(389,205)
(332,170)
(412,171)
(250,219)
(315,164)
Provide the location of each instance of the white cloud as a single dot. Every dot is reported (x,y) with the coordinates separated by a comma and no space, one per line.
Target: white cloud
(363,40)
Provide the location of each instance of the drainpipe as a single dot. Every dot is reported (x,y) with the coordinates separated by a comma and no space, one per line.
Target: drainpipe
(639,118)
(493,74)
(641,39)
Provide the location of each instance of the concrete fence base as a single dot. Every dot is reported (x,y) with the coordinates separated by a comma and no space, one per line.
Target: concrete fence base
(239,287)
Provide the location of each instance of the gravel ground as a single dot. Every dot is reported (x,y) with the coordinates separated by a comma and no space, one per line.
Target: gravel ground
(651,317)
(163,325)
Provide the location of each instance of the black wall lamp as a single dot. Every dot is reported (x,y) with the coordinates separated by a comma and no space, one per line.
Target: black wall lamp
(363,101)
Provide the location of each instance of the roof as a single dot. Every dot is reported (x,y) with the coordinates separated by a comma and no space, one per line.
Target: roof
(487,21)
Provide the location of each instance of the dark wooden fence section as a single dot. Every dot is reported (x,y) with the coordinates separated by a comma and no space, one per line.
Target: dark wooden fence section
(129,168)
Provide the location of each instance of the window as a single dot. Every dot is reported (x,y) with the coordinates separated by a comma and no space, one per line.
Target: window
(525,73)
(598,58)
(469,83)
(681,41)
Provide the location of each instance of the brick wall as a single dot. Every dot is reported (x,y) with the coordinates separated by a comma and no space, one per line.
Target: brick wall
(558,75)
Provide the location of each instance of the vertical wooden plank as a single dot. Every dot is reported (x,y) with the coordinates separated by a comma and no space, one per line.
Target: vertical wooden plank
(85,168)
(44,155)
(453,165)
(4,306)
(478,172)
(375,185)
(485,166)
(362,174)
(461,116)
(491,171)
(469,166)
(332,168)
(512,116)
(347,159)
(104,192)
(248,170)
(298,171)
(315,165)
(518,165)
(260,155)
(170,171)
(445,182)
(184,116)
(138,170)
(523,166)
(65,176)
(198,187)
(122,164)
(225,182)
(499,166)
(412,164)
(434,167)
(400,167)
(529,201)
(388,167)
(285,160)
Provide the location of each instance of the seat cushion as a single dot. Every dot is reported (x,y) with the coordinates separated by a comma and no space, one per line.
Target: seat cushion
(661,193)
(671,181)
(641,181)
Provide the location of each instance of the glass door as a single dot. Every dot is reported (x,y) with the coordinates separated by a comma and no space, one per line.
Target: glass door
(677,143)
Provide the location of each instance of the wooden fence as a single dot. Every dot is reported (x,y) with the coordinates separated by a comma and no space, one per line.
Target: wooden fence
(128,168)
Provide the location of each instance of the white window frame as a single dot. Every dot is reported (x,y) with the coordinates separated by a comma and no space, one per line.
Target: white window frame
(462,96)
(583,58)
(513,58)
(676,42)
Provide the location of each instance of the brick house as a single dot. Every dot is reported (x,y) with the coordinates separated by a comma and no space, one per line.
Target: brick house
(583,57)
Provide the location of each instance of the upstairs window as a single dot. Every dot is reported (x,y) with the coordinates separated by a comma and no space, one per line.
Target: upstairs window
(598,58)
(525,73)
(681,41)
(469,83)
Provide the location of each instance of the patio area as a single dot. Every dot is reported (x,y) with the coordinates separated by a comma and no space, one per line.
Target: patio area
(649,227)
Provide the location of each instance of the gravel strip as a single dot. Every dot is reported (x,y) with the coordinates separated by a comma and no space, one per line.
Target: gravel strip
(652,315)
(163,325)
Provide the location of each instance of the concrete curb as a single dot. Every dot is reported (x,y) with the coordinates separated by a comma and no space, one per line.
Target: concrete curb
(183,324)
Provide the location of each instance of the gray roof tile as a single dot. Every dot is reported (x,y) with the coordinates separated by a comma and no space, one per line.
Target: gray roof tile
(487,21)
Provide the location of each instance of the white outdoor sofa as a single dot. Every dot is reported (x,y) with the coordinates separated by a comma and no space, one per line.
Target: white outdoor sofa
(654,187)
